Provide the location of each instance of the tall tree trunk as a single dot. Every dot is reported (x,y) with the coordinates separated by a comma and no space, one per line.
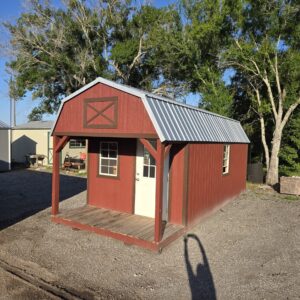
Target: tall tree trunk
(264,141)
(272,172)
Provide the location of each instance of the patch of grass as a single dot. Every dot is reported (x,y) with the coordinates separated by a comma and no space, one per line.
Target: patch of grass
(290,197)
(81,174)
(252,186)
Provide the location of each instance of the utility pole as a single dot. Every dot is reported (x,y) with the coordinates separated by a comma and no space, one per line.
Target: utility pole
(12,104)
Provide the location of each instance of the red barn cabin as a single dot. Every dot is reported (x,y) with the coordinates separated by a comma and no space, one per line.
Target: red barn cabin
(154,165)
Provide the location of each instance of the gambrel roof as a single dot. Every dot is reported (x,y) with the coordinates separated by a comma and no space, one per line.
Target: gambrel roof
(175,121)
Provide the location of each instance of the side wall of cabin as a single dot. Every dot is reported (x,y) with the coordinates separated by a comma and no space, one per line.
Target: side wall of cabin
(207,186)
(177,193)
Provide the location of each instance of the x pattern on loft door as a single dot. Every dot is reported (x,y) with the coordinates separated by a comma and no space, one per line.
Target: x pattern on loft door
(100,113)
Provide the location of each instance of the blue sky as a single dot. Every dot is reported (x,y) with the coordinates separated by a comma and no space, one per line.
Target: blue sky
(10,10)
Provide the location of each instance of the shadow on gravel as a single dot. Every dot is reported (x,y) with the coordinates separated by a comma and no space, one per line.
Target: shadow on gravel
(24,193)
(202,283)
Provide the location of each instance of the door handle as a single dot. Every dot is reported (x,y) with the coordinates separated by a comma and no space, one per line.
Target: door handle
(137,179)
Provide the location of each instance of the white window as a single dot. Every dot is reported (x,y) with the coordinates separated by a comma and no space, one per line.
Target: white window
(226,155)
(149,162)
(108,159)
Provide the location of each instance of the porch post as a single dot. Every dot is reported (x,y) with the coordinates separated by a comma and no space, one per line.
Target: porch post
(159,191)
(55,177)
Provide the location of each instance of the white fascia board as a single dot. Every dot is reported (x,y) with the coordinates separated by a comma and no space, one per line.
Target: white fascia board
(121,87)
(153,119)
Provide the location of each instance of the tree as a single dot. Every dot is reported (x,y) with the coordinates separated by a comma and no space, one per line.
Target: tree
(289,156)
(58,50)
(208,27)
(265,51)
(53,54)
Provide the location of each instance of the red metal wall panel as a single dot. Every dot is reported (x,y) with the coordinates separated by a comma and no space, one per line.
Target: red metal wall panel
(111,192)
(176,187)
(132,117)
(207,186)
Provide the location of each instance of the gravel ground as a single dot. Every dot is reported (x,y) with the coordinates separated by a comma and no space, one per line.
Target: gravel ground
(249,249)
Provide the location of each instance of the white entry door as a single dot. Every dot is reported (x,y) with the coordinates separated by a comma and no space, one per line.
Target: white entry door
(145,184)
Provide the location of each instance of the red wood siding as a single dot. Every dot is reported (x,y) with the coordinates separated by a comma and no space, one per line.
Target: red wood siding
(176,186)
(132,117)
(207,186)
(110,192)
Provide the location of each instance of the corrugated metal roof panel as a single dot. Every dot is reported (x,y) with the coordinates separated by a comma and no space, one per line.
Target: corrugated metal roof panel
(179,122)
(35,125)
(4,125)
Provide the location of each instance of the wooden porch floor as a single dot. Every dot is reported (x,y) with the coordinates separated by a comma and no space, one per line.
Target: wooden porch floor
(130,228)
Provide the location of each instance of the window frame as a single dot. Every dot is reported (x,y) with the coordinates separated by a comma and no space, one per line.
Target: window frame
(109,159)
(226,159)
(76,141)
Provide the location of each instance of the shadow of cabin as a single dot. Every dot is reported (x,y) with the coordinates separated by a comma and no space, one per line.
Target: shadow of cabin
(22,147)
(4,166)
(24,193)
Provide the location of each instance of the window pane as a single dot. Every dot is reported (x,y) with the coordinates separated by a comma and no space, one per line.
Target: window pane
(113,154)
(152,160)
(113,146)
(113,171)
(112,162)
(145,173)
(104,146)
(152,172)
(104,153)
(104,170)
(104,162)
(146,156)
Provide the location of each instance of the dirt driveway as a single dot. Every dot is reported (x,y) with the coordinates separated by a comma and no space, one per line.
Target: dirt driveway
(249,249)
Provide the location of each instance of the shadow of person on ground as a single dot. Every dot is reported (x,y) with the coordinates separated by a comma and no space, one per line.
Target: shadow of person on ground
(23,193)
(201,283)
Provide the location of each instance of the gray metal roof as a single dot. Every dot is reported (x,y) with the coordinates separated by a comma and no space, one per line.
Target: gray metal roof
(35,125)
(175,121)
(3,125)
(179,122)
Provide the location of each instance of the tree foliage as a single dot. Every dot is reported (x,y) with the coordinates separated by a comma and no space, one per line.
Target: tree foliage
(172,51)
(265,52)
(58,50)
(290,152)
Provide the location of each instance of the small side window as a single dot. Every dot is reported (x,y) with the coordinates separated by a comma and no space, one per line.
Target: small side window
(77,143)
(226,156)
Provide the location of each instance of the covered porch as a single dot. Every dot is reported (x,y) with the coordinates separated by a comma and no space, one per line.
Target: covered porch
(150,233)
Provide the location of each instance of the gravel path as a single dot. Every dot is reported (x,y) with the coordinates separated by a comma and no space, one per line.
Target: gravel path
(249,249)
